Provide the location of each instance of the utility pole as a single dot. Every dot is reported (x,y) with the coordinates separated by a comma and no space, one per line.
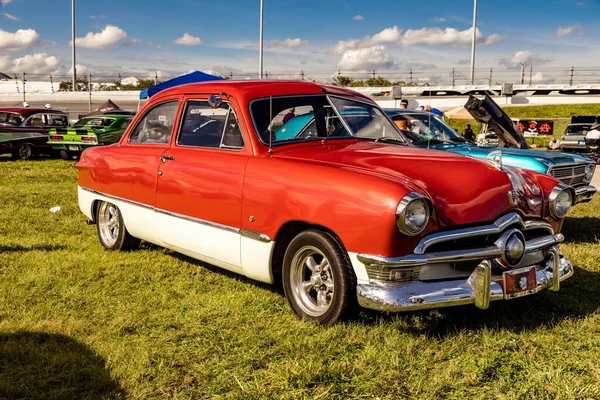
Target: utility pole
(473,43)
(522,72)
(90,92)
(73,45)
(260,45)
(155,78)
(23,87)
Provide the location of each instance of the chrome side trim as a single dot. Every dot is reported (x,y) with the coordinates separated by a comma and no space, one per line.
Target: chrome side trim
(198,220)
(245,232)
(261,237)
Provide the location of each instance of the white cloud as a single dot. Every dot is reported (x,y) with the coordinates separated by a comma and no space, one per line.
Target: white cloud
(525,57)
(81,69)
(279,44)
(580,4)
(366,59)
(10,16)
(438,19)
(385,36)
(5,2)
(569,30)
(188,40)
(38,63)
(109,37)
(448,36)
(539,77)
(358,18)
(20,40)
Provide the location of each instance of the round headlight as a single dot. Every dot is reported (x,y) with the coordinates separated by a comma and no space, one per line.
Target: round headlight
(561,201)
(589,172)
(412,214)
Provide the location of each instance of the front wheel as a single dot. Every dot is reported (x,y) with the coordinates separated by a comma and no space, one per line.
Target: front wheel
(317,278)
(111,230)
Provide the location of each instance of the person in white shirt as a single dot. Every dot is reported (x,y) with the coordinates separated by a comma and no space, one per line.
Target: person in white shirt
(593,133)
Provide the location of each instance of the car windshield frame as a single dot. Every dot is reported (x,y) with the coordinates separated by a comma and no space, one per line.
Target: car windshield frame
(388,128)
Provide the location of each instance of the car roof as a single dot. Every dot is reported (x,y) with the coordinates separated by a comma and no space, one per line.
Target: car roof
(27,111)
(249,90)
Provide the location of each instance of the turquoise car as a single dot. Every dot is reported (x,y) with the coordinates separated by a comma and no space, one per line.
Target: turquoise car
(426,130)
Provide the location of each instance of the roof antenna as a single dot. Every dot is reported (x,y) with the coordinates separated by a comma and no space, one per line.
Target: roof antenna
(270,124)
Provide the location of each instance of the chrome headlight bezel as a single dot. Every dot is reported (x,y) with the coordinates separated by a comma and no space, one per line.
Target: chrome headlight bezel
(404,213)
(558,209)
(589,172)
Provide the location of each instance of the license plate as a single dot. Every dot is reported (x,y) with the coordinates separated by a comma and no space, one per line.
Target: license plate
(519,282)
(582,142)
(74,148)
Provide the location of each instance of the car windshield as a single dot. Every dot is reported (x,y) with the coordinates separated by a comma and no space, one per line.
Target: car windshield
(425,127)
(96,122)
(577,129)
(283,119)
(8,118)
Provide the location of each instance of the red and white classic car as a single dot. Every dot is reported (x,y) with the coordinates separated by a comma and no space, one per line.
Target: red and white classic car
(343,212)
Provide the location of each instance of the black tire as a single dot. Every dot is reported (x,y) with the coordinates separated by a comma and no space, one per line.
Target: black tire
(64,155)
(318,280)
(24,152)
(111,229)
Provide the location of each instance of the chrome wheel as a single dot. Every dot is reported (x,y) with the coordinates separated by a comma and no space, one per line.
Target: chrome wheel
(25,152)
(109,224)
(312,281)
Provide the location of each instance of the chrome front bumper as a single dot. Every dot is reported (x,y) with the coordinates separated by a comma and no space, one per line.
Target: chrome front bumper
(584,194)
(479,289)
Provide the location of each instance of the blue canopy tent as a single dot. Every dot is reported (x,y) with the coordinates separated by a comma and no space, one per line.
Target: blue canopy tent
(192,77)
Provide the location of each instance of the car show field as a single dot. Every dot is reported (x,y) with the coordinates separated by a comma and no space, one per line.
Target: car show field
(155,324)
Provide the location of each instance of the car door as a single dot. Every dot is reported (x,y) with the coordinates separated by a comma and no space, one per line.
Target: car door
(199,190)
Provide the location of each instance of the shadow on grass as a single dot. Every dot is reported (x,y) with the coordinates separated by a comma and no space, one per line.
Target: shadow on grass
(578,297)
(17,247)
(581,229)
(49,366)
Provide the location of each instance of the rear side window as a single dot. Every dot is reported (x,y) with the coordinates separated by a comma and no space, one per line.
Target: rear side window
(204,126)
(156,125)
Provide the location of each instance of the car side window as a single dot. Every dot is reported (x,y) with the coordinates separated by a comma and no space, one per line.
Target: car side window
(56,120)
(36,120)
(204,126)
(156,125)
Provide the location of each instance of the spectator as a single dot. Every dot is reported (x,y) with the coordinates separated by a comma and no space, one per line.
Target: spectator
(289,115)
(593,133)
(403,103)
(554,144)
(402,124)
(25,104)
(48,106)
(469,135)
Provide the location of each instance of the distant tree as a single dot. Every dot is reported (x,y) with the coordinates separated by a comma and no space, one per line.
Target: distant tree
(341,80)
(67,86)
(399,83)
(379,81)
(356,84)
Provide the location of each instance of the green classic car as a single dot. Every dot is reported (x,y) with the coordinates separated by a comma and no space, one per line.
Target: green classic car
(87,132)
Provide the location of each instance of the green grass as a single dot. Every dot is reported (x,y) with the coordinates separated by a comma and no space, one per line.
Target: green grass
(561,113)
(77,322)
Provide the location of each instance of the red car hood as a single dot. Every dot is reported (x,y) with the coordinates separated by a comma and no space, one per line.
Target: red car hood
(463,190)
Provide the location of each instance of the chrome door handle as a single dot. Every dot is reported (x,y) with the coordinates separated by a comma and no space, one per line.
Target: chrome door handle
(165,158)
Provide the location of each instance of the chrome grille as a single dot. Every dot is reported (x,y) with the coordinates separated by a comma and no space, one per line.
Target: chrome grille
(572,175)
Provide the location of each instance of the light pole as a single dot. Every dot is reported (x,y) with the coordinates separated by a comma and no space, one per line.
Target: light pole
(73,46)
(260,45)
(473,44)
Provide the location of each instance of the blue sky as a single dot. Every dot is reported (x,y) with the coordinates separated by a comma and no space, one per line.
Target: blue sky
(134,37)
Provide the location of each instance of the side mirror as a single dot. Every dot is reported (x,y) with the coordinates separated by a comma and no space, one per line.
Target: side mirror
(215,100)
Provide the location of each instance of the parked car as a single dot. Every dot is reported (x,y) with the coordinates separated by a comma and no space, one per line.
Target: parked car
(574,137)
(571,169)
(348,213)
(88,132)
(24,131)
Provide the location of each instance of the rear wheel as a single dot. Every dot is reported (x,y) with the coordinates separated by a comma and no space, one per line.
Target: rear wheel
(111,230)
(64,155)
(24,152)
(317,278)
